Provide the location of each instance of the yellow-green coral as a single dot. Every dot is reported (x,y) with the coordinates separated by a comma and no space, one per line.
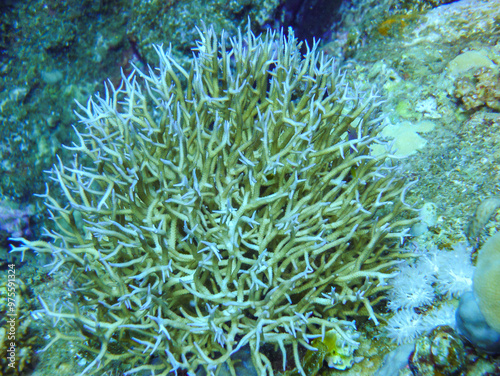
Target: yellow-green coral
(333,349)
(340,350)
(221,212)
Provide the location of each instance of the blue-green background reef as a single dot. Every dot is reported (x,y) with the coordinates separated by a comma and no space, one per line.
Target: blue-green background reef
(54,52)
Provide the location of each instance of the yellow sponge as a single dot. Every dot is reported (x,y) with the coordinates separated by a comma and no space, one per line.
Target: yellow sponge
(487,281)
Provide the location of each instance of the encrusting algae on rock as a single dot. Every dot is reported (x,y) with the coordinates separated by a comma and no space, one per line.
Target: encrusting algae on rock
(222,213)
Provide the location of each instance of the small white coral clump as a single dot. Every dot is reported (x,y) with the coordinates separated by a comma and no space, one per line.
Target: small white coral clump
(454,274)
(404,326)
(435,273)
(412,287)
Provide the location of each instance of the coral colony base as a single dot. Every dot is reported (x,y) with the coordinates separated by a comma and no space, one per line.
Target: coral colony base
(223,206)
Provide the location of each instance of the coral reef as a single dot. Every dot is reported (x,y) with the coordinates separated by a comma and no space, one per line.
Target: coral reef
(441,352)
(395,24)
(78,45)
(435,273)
(411,6)
(408,294)
(230,210)
(175,22)
(404,326)
(482,89)
(457,20)
(41,78)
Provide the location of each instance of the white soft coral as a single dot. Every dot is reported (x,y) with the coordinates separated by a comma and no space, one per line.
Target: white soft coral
(446,273)
(405,326)
(444,315)
(412,287)
(450,272)
(454,276)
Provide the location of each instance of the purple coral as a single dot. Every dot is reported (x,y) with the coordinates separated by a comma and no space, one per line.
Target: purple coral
(15,221)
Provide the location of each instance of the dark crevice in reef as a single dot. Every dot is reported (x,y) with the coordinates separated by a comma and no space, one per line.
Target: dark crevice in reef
(310,19)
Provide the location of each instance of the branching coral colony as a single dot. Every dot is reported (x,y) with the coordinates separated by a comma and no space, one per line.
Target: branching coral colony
(229,210)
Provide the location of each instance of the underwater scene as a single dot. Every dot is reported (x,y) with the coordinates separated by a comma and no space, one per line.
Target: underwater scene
(250,188)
